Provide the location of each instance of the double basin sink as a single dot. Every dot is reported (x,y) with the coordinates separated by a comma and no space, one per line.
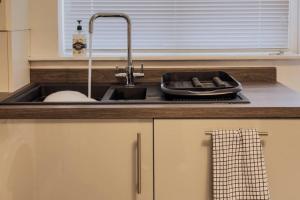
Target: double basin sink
(35,93)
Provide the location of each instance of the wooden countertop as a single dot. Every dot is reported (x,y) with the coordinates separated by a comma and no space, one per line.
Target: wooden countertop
(268,100)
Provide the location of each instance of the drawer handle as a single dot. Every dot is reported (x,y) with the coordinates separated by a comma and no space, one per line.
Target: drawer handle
(139,163)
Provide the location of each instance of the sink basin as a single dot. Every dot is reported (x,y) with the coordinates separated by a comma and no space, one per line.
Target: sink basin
(36,93)
(129,94)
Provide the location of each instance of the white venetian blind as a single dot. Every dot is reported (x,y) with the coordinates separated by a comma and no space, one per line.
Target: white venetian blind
(183,24)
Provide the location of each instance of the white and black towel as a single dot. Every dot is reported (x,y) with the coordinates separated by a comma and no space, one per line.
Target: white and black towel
(239,171)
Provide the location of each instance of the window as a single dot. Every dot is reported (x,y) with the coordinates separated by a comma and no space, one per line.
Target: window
(183,25)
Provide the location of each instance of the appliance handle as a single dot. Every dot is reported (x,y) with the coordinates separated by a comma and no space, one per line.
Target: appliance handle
(139,163)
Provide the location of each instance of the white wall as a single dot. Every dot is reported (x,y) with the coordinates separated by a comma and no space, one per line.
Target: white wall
(44,28)
(290,76)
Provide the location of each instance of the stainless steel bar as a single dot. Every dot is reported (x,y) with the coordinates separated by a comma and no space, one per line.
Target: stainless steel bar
(261,133)
(139,163)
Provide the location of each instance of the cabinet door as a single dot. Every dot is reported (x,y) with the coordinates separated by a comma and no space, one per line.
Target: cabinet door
(14,15)
(17,162)
(4,69)
(18,15)
(80,159)
(14,66)
(182,154)
(19,69)
(3,15)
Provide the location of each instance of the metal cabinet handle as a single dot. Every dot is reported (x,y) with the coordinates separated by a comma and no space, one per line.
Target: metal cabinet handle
(139,163)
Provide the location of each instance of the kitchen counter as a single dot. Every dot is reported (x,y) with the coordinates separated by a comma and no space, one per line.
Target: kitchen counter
(268,100)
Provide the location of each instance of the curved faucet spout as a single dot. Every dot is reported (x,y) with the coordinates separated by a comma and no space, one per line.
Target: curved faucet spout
(129,71)
(118,15)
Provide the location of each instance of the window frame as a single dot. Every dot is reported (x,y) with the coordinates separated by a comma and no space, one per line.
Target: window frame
(293,43)
(294,27)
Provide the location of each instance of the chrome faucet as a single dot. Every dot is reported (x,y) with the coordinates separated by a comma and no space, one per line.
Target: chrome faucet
(129,73)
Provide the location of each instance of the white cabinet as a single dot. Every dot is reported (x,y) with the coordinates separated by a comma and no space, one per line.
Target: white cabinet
(14,44)
(4,69)
(14,65)
(75,159)
(2,15)
(182,154)
(98,159)
(17,162)
(14,15)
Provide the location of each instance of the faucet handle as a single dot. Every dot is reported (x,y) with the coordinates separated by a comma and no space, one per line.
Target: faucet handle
(117,69)
(139,74)
(120,73)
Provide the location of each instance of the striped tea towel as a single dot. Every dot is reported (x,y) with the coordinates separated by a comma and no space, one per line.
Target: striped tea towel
(239,171)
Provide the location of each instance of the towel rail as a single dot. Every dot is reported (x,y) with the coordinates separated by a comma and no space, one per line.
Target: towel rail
(261,133)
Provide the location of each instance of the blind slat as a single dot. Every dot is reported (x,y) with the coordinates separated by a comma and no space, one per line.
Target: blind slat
(183,25)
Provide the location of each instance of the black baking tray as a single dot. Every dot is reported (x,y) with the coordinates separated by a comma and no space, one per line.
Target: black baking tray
(212,84)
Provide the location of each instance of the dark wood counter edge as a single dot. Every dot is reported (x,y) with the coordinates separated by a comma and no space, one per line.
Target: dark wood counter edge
(243,74)
(265,76)
(146,112)
(284,106)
